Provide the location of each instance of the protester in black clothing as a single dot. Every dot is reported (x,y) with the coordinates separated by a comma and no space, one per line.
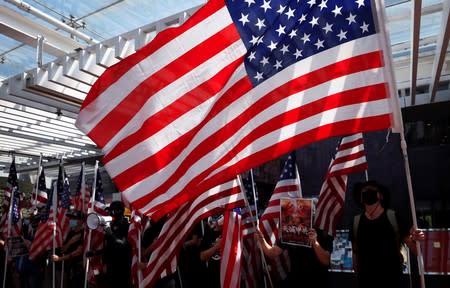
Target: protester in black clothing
(72,251)
(191,268)
(210,251)
(377,235)
(117,250)
(309,265)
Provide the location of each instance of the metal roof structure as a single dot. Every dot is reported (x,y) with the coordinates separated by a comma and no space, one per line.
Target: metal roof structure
(52,52)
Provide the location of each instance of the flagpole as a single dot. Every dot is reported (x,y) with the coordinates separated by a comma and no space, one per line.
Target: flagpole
(263,259)
(36,189)
(139,258)
(90,209)
(398,126)
(55,207)
(83,186)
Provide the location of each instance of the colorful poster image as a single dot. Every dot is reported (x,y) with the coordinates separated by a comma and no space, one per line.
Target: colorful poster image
(296,220)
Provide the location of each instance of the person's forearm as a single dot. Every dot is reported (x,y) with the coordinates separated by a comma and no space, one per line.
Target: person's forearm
(322,255)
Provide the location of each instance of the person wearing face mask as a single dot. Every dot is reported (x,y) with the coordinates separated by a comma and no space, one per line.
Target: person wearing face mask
(72,251)
(376,236)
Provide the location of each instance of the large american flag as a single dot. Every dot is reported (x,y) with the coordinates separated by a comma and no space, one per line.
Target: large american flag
(163,260)
(240,83)
(350,158)
(288,186)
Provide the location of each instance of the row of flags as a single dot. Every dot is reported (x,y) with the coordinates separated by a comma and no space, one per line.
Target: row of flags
(237,199)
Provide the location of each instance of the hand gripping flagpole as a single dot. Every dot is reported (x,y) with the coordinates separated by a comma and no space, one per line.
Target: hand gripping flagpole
(90,209)
(263,259)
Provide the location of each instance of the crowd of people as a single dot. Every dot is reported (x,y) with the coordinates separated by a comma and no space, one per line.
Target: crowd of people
(377,235)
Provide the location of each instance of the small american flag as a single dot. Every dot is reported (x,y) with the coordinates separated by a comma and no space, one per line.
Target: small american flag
(288,186)
(238,84)
(349,158)
(40,196)
(252,268)
(81,200)
(63,186)
(14,228)
(231,250)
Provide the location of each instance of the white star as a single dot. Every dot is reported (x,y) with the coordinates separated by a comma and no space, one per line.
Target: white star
(342,35)
(273,45)
(264,61)
(278,64)
(266,5)
(281,10)
(285,49)
(280,30)
(244,19)
(327,28)
(305,38)
(251,56)
(323,4)
(258,76)
(311,3)
(337,10)
(314,21)
(298,53)
(360,3)
(364,27)
(293,33)
(319,44)
(260,40)
(260,23)
(249,2)
(290,13)
(351,19)
(254,40)
(303,18)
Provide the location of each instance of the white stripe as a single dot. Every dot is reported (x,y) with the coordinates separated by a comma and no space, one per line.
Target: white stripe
(92,114)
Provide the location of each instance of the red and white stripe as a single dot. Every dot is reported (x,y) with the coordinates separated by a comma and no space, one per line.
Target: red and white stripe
(134,238)
(180,115)
(231,250)
(350,158)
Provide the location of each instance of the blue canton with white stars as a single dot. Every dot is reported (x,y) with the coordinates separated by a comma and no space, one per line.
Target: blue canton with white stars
(289,167)
(278,33)
(99,195)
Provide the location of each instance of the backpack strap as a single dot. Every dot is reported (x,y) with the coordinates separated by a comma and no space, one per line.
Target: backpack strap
(356,225)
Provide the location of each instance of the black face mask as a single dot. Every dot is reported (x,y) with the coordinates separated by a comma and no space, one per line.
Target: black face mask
(369,197)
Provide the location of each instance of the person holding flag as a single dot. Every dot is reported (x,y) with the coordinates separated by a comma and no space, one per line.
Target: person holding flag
(309,265)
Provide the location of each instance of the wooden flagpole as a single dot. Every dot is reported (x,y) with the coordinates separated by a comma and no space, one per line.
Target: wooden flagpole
(398,126)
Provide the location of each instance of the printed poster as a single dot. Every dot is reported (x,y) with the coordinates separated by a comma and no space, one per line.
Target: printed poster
(296,220)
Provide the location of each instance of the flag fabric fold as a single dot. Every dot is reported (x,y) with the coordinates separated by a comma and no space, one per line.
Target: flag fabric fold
(350,158)
(163,260)
(11,222)
(238,84)
(40,195)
